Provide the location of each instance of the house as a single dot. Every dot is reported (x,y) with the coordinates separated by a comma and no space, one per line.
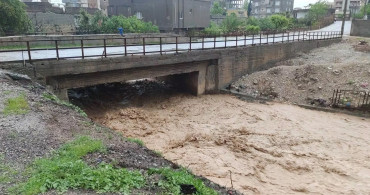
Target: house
(168,15)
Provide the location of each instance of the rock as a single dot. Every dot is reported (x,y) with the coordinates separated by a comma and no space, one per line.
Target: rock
(300,87)
(364,85)
(16,76)
(255,82)
(337,72)
(320,87)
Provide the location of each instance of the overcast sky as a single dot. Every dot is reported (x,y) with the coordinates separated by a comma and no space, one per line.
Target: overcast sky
(302,3)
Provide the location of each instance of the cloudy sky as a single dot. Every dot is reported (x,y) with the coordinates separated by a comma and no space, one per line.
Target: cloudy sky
(302,3)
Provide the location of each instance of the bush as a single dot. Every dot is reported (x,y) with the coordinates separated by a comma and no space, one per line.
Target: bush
(280,22)
(265,24)
(98,23)
(231,24)
(252,29)
(213,30)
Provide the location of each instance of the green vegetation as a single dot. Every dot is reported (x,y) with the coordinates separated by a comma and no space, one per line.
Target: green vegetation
(135,140)
(98,23)
(17,105)
(55,99)
(218,9)
(252,29)
(13,16)
(318,11)
(232,24)
(65,170)
(173,180)
(280,22)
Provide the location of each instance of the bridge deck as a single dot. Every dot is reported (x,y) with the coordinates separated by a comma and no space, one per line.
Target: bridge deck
(195,43)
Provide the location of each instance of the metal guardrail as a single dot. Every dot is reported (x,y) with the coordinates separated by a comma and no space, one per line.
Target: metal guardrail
(228,42)
(351,99)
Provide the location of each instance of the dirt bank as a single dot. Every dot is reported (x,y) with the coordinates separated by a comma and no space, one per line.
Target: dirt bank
(269,149)
(314,75)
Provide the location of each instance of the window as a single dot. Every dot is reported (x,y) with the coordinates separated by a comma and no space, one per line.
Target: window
(268,10)
(277,2)
(139,15)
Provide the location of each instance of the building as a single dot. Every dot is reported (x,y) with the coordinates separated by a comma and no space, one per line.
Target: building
(264,8)
(76,3)
(168,15)
(353,6)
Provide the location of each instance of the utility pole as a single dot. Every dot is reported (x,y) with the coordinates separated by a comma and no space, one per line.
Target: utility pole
(344,16)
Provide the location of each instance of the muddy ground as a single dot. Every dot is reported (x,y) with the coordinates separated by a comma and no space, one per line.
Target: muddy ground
(313,76)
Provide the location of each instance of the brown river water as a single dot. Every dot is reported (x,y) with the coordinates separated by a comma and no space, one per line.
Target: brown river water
(267,148)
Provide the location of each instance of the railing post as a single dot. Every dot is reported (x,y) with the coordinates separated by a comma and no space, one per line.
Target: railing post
(303,35)
(29,52)
(203,43)
(273,39)
(82,49)
(253,39)
(236,41)
(225,41)
(282,40)
(245,39)
(267,39)
(260,38)
(125,44)
(299,34)
(190,44)
(160,45)
(321,35)
(214,42)
(144,46)
(57,49)
(177,46)
(288,36)
(105,48)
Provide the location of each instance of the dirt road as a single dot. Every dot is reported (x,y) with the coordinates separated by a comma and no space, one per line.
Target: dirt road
(269,149)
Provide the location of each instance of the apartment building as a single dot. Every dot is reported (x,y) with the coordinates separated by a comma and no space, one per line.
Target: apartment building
(264,8)
(353,6)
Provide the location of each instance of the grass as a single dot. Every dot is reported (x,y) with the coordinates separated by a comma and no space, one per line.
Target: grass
(55,99)
(17,105)
(135,140)
(66,170)
(174,178)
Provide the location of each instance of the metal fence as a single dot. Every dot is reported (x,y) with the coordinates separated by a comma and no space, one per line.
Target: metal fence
(156,45)
(351,99)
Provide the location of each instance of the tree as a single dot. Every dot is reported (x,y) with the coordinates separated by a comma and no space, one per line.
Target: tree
(13,17)
(279,21)
(217,9)
(318,10)
(231,23)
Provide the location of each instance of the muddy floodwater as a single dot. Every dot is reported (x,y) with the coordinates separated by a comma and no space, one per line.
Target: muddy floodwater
(267,148)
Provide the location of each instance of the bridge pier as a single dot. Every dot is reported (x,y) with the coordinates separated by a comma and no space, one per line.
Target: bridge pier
(62,94)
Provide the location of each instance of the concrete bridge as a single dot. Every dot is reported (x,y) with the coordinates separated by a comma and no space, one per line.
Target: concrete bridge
(198,64)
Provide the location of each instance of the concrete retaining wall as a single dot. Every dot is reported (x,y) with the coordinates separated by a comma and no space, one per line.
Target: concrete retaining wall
(360,28)
(233,64)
